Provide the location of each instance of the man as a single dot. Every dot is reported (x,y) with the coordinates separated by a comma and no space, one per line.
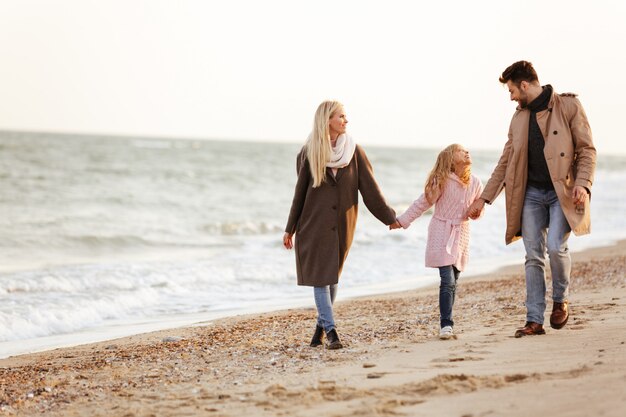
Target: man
(547,168)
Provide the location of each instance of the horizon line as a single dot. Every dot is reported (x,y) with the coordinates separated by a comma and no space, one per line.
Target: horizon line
(233,139)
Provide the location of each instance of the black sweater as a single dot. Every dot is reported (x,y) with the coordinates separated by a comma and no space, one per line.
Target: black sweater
(538,174)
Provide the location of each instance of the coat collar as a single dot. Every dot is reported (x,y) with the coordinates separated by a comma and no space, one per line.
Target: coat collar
(550,103)
(335,178)
(340,171)
(456,178)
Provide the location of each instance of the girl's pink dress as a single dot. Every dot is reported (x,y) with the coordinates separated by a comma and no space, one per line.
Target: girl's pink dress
(449,229)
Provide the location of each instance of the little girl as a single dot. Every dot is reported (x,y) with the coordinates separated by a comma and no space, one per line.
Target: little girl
(452,189)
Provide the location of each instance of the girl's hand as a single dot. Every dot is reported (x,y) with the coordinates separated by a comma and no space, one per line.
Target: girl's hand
(288,240)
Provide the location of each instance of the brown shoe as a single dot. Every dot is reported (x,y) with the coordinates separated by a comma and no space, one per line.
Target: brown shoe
(530,329)
(559,316)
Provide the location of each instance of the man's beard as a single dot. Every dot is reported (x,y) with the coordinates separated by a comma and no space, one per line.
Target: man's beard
(523,101)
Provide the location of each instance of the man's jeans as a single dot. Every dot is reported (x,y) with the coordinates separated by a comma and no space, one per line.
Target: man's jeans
(542,211)
(324,299)
(447,290)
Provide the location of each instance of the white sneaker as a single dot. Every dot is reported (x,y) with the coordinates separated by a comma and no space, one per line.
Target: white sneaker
(446,333)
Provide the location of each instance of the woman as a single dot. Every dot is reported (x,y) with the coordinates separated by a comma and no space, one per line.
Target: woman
(331,170)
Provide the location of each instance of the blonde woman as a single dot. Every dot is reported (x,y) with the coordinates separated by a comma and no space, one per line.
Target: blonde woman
(332,169)
(452,189)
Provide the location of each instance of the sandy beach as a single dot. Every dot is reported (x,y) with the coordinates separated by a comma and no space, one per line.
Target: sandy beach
(393,362)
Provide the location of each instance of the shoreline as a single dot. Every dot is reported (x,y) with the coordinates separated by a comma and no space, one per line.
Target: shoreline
(115,331)
(393,362)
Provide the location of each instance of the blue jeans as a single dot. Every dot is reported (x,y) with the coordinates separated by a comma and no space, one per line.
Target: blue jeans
(324,299)
(544,227)
(447,290)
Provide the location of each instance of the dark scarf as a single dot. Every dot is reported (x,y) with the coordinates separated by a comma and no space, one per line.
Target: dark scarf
(538,174)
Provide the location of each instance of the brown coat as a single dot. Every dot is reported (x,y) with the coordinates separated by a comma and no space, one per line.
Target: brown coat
(324,218)
(570,156)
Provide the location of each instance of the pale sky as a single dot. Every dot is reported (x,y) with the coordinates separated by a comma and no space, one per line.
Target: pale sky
(410,73)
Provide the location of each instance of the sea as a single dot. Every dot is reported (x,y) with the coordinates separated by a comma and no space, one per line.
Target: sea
(103,237)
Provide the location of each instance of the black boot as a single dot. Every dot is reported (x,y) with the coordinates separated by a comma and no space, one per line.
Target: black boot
(333,340)
(317,336)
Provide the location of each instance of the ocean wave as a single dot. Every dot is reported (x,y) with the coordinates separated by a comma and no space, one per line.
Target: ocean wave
(169,277)
(110,241)
(241,228)
(82,279)
(71,314)
(73,298)
(132,241)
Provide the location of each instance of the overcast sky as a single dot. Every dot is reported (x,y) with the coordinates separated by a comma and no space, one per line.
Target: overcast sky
(410,73)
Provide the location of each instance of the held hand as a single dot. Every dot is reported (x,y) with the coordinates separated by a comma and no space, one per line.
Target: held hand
(395,225)
(580,195)
(474,215)
(476,208)
(288,240)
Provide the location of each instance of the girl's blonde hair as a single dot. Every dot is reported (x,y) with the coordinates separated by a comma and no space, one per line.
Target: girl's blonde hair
(317,146)
(439,174)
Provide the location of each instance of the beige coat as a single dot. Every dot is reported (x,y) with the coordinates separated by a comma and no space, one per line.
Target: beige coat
(570,156)
(324,218)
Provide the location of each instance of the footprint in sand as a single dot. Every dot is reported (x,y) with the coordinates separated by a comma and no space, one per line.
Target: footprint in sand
(478,352)
(598,307)
(470,348)
(457,359)
(578,324)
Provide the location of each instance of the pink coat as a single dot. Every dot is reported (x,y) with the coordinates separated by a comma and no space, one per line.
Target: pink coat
(448,231)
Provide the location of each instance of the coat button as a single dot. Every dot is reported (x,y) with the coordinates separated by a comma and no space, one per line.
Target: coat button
(333,228)
(555,132)
(334,207)
(562,153)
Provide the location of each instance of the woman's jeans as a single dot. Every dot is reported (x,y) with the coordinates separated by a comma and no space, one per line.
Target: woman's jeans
(544,226)
(324,299)
(447,290)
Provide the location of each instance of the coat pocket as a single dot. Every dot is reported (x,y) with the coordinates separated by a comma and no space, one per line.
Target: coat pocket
(563,167)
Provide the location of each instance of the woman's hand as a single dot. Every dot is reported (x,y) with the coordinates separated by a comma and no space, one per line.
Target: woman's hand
(395,225)
(288,240)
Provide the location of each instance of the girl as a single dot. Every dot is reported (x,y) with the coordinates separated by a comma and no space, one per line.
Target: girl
(452,189)
(332,170)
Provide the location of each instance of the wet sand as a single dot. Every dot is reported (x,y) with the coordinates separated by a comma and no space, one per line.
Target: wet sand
(393,362)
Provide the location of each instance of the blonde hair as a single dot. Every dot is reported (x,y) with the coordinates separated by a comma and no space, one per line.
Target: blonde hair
(439,174)
(317,146)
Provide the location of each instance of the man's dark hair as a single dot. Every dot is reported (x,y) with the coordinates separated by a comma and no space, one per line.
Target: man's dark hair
(518,72)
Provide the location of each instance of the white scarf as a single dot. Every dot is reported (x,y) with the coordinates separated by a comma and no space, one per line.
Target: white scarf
(342,152)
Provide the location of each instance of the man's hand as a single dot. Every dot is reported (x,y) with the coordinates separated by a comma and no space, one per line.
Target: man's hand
(288,240)
(476,208)
(580,195)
